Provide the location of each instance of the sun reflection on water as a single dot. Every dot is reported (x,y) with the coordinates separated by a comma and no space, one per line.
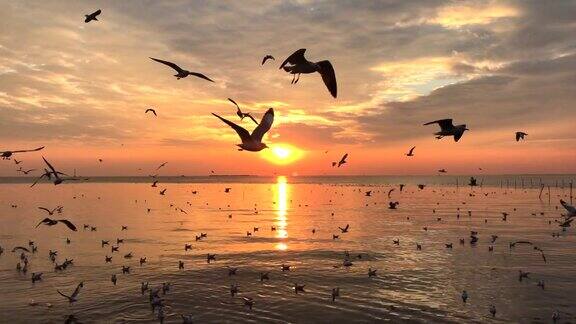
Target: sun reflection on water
(281,220)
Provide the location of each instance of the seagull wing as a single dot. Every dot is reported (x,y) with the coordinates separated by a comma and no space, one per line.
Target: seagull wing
(77,290)
(20,248)
(96,13)
(329,77)
(296,58)
(569,208)
(44,220)
(458,135)
(50,166)
(35,182)
(170,64)
(242,132)
(201,76)
(61,294)
(264,125)
(444,123)
(234,102)
(412,150)
(23,151)
(46,209)
(250,116)
(266,58)
(68,224)
(518,135)
(343,159)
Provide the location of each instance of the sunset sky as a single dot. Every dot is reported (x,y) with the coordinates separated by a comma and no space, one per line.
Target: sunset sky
(82,89)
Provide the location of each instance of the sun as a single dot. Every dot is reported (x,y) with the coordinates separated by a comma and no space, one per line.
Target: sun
(282,154)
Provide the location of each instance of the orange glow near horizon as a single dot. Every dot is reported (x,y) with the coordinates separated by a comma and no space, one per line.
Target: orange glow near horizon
(282,154)
(281,220)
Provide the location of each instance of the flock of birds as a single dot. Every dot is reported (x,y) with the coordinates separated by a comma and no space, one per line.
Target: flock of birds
(296,64)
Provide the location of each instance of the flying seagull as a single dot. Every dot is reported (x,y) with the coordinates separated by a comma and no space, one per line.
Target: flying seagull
(342,161)
(72,298)
(52,173)
(520,136)
(181,72)
(252,142)
(266,58)
(92,16)
(298,65)
(51,222)
(448,129)
(151,110)
(411,152)
(571,210)
(7,154)
(25,171)
(161,165)
(240,113)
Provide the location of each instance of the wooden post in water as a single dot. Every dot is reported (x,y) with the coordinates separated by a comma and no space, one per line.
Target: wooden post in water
(531,184)
(570,192)
(541,189)
(522,179)
(549,197)
(507,184)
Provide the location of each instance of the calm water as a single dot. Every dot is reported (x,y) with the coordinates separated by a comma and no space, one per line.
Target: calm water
(411,286)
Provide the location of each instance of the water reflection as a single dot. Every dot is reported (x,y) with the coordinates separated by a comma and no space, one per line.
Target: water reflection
(282,201)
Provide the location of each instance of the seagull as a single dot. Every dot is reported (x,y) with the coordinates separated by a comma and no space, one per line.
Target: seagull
(252,142)
(181,72)
(342,161)
(345,229)
(473,182)
(297,64)
(151,110)
(51,222)
(52,173)
(25,171)
(17,162)
(36,276)
(92,16)
(448,129)
(411,152)
(240,113)
(520,136)
(7,154)
(72,298)
(266,58)
(163,191)
(442,171)
(335,293)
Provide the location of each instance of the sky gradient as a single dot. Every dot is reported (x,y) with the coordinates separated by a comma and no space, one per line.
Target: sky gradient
(82,89)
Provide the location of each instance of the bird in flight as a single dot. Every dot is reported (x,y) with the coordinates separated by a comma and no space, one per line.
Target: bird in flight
(411,152)
(342,161)
(92,16)
(252,142)
(25,171)
(520,136)
(7,154)
(52,173)
(17,162)
(151,110)
(448,129)
(240,113)
(571,210)
(181,73)
(51,222)
(442,171)
(266,58)
(297,64)
(72,298)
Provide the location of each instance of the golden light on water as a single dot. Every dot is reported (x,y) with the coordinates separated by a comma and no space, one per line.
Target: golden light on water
(281,220)
(282,154)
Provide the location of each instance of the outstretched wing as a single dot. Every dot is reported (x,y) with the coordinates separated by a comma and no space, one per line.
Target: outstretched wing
(77,290)
(234,102)
(24,151)
(46,209)
(250,116)
(343,159)
(50,166)
(242,132)
(170,64)
(329,77)
(61,294)
(412,149)
(20,248)
(296,58)
(35,182)
(569,208)
(68,224)
(44,220)
(264,125)
(458,135)
(201,76)
(444,123)
(266,58)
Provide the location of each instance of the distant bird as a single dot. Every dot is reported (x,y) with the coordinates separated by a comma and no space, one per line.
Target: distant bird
(493,310)
(52,173)
(151,110)
(51,222)
(393,204)
(252,142)
(520,136)
(571,210)
(74,297)
(267,57)
(335,293)
(421,186)
(163,191)
(368,193)
(7,154)
(411,152)
(341,162)
(181,73)
(298,288)
(371,273)
(25,171)
(92,16)
(17,162)
(240,113)
(402,187)
(442,171)
(473,182)
(390,192)
(297,64)
(155,183)
(464,296)
(448,129)
(345,229)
